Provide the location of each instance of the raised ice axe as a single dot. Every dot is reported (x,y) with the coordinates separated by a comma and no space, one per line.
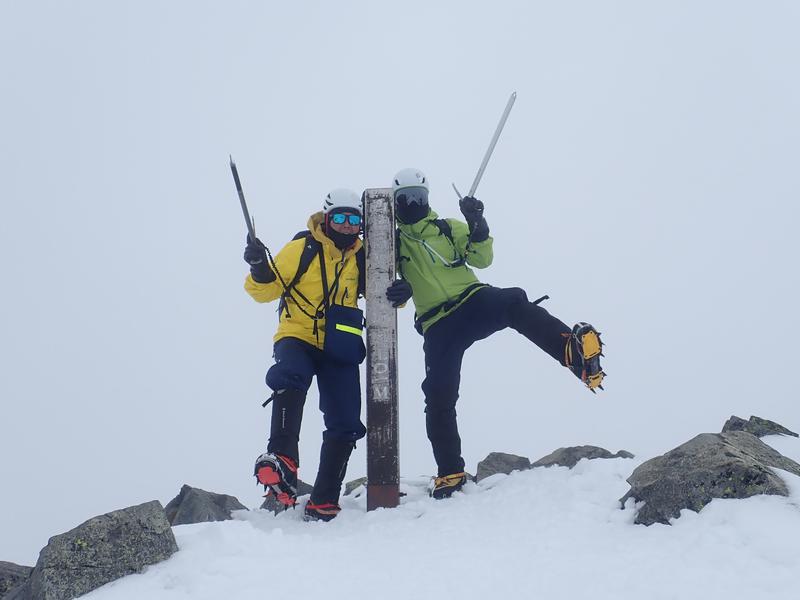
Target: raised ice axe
(251,227)
(490,149)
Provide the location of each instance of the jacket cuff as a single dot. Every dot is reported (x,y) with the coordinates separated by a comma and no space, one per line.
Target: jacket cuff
(261,273)
(481,231)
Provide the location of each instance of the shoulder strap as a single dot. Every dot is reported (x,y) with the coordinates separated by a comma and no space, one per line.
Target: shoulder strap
(445,229)
(399,258)
(361,263)
(323,273)
(310,250)
(327,291)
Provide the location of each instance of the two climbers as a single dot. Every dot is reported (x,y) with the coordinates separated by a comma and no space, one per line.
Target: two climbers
(453,310)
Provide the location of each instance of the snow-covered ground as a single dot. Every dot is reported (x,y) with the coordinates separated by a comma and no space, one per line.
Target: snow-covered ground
(545,533)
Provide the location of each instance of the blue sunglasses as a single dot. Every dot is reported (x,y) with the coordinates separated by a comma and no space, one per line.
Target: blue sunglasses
(340,218)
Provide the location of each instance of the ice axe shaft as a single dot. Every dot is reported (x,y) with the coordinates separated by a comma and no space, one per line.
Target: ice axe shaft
(492,144)
(251,229)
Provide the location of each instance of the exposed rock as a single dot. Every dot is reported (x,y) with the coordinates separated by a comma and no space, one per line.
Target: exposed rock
(193,505)
(569,457)
(757,426)
(352,486)
(100,550)
(271,503)
(500,462)
(12,575)
(712,465)
(21,592)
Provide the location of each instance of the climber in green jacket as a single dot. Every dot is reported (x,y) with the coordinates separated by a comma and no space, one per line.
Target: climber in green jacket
(454,310)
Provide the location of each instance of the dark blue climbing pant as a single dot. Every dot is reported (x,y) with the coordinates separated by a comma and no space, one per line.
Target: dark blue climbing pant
(488,310)
(296,363)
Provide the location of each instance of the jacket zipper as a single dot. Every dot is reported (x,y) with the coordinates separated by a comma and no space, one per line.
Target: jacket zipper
(430,269)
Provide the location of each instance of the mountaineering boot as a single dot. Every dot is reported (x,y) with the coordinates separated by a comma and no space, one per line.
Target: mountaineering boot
(445,486)
(278,475)
(276,469)
(321,512)
(582,354)
(333,457)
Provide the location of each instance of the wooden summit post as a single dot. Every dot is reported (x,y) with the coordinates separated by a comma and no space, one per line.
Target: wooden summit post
(383,465)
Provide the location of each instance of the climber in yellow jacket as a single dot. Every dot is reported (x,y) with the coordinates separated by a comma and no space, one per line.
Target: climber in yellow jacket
(318,278)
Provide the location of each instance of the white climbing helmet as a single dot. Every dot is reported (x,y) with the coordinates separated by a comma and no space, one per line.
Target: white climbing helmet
(409,178)
(341,198)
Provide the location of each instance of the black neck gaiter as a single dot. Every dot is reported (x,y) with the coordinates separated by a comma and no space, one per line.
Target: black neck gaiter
(411,213)
(341,240)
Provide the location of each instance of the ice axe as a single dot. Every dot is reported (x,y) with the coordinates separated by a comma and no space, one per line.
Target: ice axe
(490,149)
(251,226)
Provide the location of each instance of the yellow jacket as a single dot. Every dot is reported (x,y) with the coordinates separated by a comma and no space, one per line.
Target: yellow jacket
(310,285)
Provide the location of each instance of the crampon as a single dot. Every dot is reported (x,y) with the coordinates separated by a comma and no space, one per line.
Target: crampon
(582,355)
(278,475)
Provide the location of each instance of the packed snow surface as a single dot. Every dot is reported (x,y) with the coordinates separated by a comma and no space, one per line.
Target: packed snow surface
(545,533)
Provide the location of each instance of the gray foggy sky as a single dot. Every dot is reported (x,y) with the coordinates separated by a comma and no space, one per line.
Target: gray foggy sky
(647,181)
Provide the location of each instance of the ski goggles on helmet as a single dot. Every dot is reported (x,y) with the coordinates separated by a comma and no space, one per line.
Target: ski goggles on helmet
(412,195)
(341,218)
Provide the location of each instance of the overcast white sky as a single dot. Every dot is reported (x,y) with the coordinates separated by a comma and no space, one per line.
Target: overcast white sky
(647,181)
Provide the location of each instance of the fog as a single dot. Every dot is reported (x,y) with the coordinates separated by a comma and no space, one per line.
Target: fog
(646,180)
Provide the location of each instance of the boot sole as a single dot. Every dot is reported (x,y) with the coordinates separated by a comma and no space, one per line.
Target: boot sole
(319,516)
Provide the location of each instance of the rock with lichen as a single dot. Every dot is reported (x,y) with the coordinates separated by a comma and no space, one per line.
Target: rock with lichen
(757,426)
(500,462)
(99,551)
(712,465)
(193,505)
(12,575)
(569,457)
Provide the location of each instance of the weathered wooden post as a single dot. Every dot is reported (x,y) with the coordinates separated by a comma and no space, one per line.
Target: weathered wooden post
(383,465)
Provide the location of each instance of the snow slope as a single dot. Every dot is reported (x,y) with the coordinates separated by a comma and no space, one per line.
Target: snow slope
(546,533)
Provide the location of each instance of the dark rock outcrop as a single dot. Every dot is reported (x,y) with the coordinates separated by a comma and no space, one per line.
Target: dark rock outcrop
(569,457)
(352,486)
(193,505)
(12,575)
(21,592)
(712,465)
(757,426)
(500,462)
(99,551)
(271,503)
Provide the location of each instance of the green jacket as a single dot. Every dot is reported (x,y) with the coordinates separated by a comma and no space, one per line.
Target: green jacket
(424,254)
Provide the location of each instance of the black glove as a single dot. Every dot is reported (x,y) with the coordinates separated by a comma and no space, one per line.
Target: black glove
(480,233)
(472,209)
(255,254)
(399,292)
